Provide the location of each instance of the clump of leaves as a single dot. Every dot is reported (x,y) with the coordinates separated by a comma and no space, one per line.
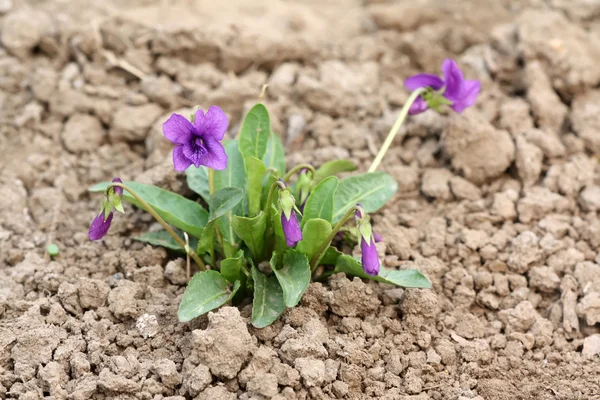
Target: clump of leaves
(266,230)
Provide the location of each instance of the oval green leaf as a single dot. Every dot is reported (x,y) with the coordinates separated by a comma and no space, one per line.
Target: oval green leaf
(251,231)
(314,233)
(372,190)
(206,291)
(223,201)
(320,201)
(231,267)
(408,278)
(255,132)
(256,172)
(268,303)
(293,276)
(333,167)
(178,211)
(275,156)
(162,238)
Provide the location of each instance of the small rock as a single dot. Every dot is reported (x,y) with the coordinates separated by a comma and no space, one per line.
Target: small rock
(529,159)
(216,393)
(226,344)
(311,370)
(92,293)
(586,118)
(589,308)
(147,325)
(167,371)
(462,189)
(132,123)
(544,279)
(589,198)
(197,380)
(23,29)
(477,149)
(435,183)
(263,385)
(82,133)
(591,345)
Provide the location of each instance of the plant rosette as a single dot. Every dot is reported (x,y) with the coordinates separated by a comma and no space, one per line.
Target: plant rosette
(262,230)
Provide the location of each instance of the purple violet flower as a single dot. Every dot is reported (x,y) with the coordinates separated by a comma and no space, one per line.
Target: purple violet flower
(369,259)
(99,226)
(461,93)
(291,229)
(198,143)
(118,190)
(377,237)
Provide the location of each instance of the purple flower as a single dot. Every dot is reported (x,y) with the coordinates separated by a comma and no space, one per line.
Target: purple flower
(370,259)
(377,237)
(198,143)
(99,226)
(118,190)
(460,92)
(291,229)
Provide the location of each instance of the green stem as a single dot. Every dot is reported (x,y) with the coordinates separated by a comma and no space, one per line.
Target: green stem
(297,168)
(390,137)
(314,263)
(161,221)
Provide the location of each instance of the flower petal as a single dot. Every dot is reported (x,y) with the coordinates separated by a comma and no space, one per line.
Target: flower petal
(118,190)
(177,129)
(180,161)
(215,157)
(469,95)
(418,106)
(291,229)
(453,79)
(213,124)
(423,80)
(370,258)
(99,226)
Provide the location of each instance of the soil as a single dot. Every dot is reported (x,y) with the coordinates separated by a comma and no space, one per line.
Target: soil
(498,206)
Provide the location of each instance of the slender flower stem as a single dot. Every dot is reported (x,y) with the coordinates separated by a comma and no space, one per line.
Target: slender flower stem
(390,137)
(161,221)
(314,263)
(297,168)
(211,181)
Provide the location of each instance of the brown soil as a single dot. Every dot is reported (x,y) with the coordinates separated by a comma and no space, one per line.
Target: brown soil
(499,206)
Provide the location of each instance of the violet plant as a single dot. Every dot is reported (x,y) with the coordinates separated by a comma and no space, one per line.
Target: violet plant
(261,230)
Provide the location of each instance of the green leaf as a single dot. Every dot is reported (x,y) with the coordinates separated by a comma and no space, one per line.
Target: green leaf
(275,156)
(256,172)
(197,180)
(333,167)
(232,176)
(268,303)
(372,190)
(162,238)
(206,243)
(314,233)
(331,256)
(178,211)
(251,231)
(223,201)
(293,277)
(255,132)
(206,291)
(231,267)
(320,202)
(409,278)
